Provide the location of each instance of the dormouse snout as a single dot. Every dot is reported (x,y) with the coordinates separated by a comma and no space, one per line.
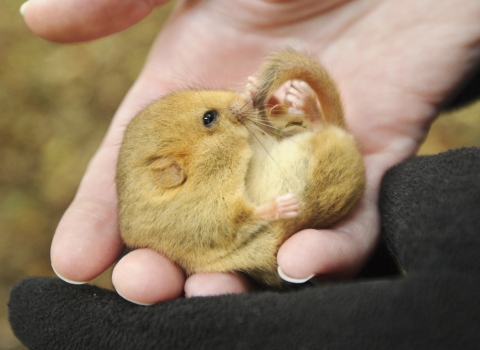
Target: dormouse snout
(242,107)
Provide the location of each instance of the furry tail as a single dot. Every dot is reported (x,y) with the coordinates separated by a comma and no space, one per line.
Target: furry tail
(288,65)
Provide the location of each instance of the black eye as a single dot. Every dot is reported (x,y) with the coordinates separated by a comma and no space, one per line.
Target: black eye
(210,117)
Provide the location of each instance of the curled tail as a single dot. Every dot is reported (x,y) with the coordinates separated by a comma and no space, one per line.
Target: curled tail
(283,66)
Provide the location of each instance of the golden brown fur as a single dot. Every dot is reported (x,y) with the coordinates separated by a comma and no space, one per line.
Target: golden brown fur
(206,196)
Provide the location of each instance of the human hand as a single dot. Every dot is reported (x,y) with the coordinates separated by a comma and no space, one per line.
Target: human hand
(394,63)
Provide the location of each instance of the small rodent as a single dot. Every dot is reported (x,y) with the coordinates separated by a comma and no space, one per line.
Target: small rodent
(213,182)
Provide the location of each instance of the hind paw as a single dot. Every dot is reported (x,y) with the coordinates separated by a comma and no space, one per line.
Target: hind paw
(301,99)
(288,206)
(282,207)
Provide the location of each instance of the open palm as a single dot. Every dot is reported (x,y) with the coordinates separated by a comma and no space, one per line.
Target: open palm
(394,62)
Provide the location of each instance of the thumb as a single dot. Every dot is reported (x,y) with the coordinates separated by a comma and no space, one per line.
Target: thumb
(339,252)
(75,21)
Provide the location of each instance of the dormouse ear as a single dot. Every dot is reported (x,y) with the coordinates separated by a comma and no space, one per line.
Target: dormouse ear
(167,173)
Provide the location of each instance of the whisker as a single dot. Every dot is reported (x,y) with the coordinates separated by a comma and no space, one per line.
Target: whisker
(259,122)
(285,135)
(270,126)
(259,128)
(271,157)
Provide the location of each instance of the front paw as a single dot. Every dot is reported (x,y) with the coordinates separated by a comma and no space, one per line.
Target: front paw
(251,88)
(245,98)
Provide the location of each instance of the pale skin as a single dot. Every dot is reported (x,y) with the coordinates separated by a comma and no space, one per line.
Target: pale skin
(395,62)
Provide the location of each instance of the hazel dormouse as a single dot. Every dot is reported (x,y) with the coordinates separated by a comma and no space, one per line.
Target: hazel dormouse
(217,180)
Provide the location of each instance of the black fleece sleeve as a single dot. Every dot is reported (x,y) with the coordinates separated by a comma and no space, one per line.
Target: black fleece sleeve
(430,209)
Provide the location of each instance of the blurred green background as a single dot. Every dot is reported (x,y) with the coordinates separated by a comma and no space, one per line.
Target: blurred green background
(56,102)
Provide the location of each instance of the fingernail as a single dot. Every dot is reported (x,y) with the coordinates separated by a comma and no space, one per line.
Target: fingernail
(66,279)
(133,301)
(22,8)
(284,277)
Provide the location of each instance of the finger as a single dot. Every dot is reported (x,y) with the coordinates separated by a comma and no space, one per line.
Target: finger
(204,284)
(86,241)
(330,253)
(74,21)
(146,277)
(339,252)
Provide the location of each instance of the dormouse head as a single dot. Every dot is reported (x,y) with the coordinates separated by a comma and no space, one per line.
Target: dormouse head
(185,135)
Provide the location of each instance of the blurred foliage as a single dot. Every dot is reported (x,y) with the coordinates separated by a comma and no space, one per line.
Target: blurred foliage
(56,103)
(455,129)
